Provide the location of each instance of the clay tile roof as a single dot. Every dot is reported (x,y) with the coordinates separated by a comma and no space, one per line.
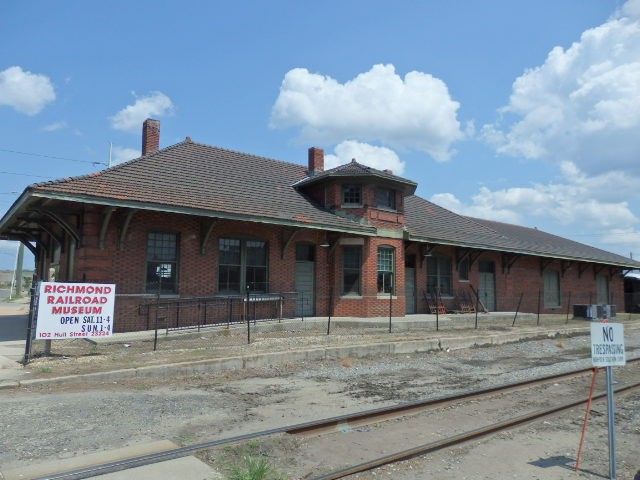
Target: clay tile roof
(208,180)
(547,244)
(354,170)
(429,222)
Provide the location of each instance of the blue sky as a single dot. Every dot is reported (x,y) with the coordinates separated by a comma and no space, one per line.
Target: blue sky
(525,112)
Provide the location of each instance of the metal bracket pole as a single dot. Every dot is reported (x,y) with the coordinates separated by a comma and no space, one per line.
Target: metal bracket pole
(611,415)
(32,317)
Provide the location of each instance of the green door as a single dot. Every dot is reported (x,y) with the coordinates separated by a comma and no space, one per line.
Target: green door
(304,283)
(410,283)
(487,287)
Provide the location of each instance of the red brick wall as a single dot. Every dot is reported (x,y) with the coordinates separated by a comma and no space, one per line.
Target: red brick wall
(197,274)
(370,303)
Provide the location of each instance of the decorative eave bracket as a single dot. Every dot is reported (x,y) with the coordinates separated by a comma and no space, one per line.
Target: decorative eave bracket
(106,218)
(508,261)
(125,227)
(206,229)
(287,238)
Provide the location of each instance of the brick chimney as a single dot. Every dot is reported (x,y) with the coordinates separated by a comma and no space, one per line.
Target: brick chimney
(316,160)
(150,136)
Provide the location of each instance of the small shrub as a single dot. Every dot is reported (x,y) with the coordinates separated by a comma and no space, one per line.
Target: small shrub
(252,469)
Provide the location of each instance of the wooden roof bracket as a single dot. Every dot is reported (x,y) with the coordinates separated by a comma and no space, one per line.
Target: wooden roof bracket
(565,266)
(597,269)
(106,217)
(47,230)
(408,244)
(544,263)
(461,255)
(332,248)
(582,267)
(27,243)
(66,226)
(287,241)
(474,257)
(125,227)
(508,261)
(205,232)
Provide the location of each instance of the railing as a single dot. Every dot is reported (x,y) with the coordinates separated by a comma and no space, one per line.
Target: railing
(199,312)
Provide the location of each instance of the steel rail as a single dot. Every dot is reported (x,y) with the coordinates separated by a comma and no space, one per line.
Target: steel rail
(461,438)
(373,415)
(303,428)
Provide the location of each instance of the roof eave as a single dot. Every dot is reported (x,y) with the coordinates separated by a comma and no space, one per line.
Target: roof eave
(20,202)
(530,253)
(364,230)
(408,187)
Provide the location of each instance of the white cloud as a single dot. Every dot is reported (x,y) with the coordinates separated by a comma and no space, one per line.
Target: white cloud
(52,127)
(582,104)
(24,91)
(379,106)
(377,157)
(578,202)
(130,118)
(123,154)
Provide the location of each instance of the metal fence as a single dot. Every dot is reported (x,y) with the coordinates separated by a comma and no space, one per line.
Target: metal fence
(225,325)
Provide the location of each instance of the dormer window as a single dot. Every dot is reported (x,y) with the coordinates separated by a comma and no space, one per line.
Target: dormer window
(352,195)
(386,198)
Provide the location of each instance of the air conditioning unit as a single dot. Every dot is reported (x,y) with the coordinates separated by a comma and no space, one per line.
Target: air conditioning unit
(593,311)
(609,310)
(588,312)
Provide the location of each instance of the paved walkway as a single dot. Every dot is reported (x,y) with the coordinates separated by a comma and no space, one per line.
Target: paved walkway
(13,332)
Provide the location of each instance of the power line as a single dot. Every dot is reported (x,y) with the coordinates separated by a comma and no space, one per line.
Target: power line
(52,156)
(24,174)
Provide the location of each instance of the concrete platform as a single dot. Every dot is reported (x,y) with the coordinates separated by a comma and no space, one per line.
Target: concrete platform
(181,468)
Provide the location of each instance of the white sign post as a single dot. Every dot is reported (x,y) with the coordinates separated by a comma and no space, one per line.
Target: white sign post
(75,310)
(607,350)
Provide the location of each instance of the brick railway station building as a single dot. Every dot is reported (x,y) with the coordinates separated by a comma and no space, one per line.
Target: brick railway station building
(193,220)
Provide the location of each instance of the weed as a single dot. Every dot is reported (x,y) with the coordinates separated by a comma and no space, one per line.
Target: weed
(45,370)
(252,469)
(249,461)
(186,439)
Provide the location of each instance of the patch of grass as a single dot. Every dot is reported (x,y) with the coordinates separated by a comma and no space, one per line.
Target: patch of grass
(186,439)
(252,468)
(249,461)
(197,352)
(44,370)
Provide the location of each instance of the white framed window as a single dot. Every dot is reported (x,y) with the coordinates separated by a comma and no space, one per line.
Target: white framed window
(386,269)
(242,263)
(439,275)
(162,262)
(352,270)
(352,195)
(386,198)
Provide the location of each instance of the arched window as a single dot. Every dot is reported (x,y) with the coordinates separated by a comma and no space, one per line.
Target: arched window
(386,269)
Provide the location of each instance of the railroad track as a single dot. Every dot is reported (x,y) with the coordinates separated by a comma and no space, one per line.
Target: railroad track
(357,419)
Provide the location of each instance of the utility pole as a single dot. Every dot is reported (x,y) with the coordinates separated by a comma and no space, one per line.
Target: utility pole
(19,262)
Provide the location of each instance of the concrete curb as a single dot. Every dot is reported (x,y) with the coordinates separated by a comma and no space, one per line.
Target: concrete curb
(446,342)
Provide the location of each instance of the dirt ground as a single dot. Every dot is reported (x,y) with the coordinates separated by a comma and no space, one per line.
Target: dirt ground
(60,421)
